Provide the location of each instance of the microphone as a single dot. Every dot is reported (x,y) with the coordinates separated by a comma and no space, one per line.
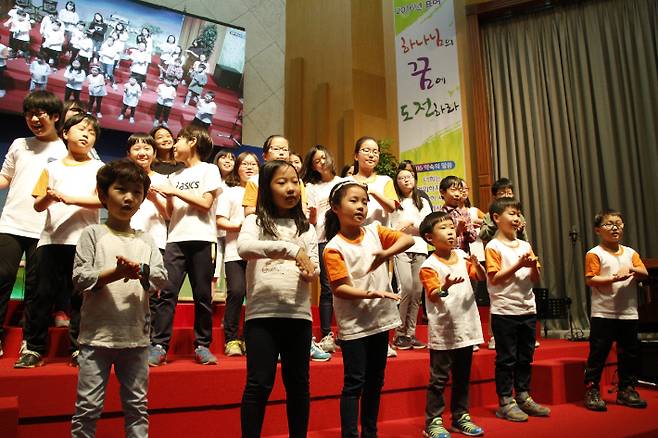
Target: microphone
(573,234)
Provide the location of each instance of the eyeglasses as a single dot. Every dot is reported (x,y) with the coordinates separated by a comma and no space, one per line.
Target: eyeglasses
(248,164)
(611,225)
(369,151)
(37,114)
(279,149)
(406,178)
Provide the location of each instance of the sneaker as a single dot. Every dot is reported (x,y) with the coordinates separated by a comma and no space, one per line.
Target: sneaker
(120,117)
(74,359)
(436,430)
(328,343)
(402,343)
(155,123)
(204,356)
(511,412)
(476,348)
(233,348)
(629,397)
(537,344)
(62,319)
(391,352)
(164,125)
(23,348)
(2,93)
(416,344)
(157,356)
(132,120)
(593,400)
(464,425)
(99,115)
(29,359)
(532,408)
(317,354)
(243,346)
(492,343)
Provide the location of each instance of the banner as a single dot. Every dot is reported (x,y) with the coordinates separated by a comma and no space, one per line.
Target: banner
(429,108)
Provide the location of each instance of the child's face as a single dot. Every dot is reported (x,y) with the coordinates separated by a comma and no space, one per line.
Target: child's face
(225,164)
(319,161)
(443,235)
(279,150)
(352,210)
(80,138)
(142,153)
(248,168)
(508,221)
(208,98)
(95,71)
(41,123)
(132,81)
(123,199)
(453,196)
(406,182)
(507,192)
(611,229)
(184,149)
(285,190)
(75,64)
(296,162)
(71,112)
(163,139)
(368,155)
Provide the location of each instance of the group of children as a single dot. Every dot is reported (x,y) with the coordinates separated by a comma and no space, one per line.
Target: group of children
(283,228)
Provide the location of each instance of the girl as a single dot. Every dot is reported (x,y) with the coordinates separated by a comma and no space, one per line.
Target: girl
(413,210)
(225,162)
(108,54)
(97,28)
(355,258)
(167,51)
(146,34)
(121,40)
(75,77)
(319,175)
(164,102)
(69,19)
(281,252)
(96,84)
(477,218)
(230,216)
(296,160)
(164,162)
(132,91)
(409,165)
(199,80)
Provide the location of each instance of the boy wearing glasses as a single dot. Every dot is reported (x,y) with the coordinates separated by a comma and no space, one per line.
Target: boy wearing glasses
(612,271)
(20,224)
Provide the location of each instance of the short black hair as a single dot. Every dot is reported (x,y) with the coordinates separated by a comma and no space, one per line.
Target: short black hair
(41,100)
(427,224)
(601,215)
(79,118)
(123,170)
(267,144)
(140,137)
(501,184)
(448,182)
(498,206)
(202,137)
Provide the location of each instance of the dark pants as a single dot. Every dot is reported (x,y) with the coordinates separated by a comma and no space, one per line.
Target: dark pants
(364,364)
(603,332)
(12,248)
(70,91)
(236,288)
(162,112)
(55,290)
(442,364)
(326,304)
(125,107)
(515,346)
(98,100)
(266,338)
(154,299)
(194,258)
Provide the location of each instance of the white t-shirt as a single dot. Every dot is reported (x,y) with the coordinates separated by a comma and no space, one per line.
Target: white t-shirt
(24,162)
(96,85)
(166,95)
(64,223)
(384,185)
(108,53)
(229,205)
(477,247)
(318,197)
(189,223)
(131,94)
(148,217)
(513,296)
(454,321)
(74,78)
(54,39)
(619,299)
(140,61)
(205,110)
(410,213)
(68,18)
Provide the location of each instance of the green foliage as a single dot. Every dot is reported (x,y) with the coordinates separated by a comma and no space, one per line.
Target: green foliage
(388,163)
(208,36)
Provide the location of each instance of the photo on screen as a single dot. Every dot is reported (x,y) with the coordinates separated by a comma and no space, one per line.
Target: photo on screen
(131,64)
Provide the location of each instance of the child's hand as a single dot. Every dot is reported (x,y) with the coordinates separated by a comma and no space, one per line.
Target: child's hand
(152,194)
(127,269)
(164,190)
(623,274)
(305,265)
(53,195)
(527,260)
(473,259)
(383,294)
(461,227)
(449,281)
(380,257)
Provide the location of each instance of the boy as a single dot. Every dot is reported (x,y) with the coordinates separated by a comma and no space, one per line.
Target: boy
(67,190)
(20,225)
(165,101)
(190,249)
(115,269)
(132,91)
(512,268)
(205,110)
(199,80)
(611,271)
(139,66)
(451,191)
(454,324)
(39,73)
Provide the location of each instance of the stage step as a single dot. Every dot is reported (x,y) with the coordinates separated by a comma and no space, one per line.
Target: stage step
(9,417)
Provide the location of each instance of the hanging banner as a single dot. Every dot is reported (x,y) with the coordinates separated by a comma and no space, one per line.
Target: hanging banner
(429,108)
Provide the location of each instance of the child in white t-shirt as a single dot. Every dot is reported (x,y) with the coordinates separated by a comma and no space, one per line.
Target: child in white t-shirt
(39,71)
(53,42)
(66,189)
(191,194)
(612,271)
(205,110)
(453,324)
(97,90)
(75,77)
(165,101)
(132,91)
(140,62)
(19,28)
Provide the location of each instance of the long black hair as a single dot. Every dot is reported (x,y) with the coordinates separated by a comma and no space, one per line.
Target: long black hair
(357,148)
(266,210)
(309,174)
(415,192)
(233,178)
(331,221)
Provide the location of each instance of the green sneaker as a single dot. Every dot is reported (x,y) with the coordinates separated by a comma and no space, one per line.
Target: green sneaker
(436,430)
(532,408)
(511,412)
(464,425)
(630,397)
(593,400)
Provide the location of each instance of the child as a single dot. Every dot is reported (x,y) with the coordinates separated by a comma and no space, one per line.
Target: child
(20,224)
(281,252)
(164,162)
(199,80)
(140,61)
(4,55)
(191,195)
(225,162)
(69,18)
(413,209)
(612,271)
(39,71)
(205,110)
(364,303)
(75,77)
(454,324)
(319,174)
(451,191)
(67,190)
(53,42)
(166,96)
(107,54)
(19,28)
(296,160)
(275,147)
(115,269)
(230,216)
(167,51)
(132,91)
(512,269)
(97,28)
(96,87)
(85,50)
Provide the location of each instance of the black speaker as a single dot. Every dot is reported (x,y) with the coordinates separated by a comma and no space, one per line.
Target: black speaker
(649,361)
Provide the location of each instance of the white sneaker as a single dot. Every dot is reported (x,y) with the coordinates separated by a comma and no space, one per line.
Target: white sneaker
(476,348)
(328,343)
(2,93)
(23,348)
(317,354)
(391,352)
(536,344)
(120,117)
(132,120)
(99,115)
(492,343)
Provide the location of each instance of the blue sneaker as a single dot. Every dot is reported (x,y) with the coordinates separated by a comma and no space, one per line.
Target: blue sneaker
(204,356)
(157,356)
(436,429)
(464,425)
(317,354)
